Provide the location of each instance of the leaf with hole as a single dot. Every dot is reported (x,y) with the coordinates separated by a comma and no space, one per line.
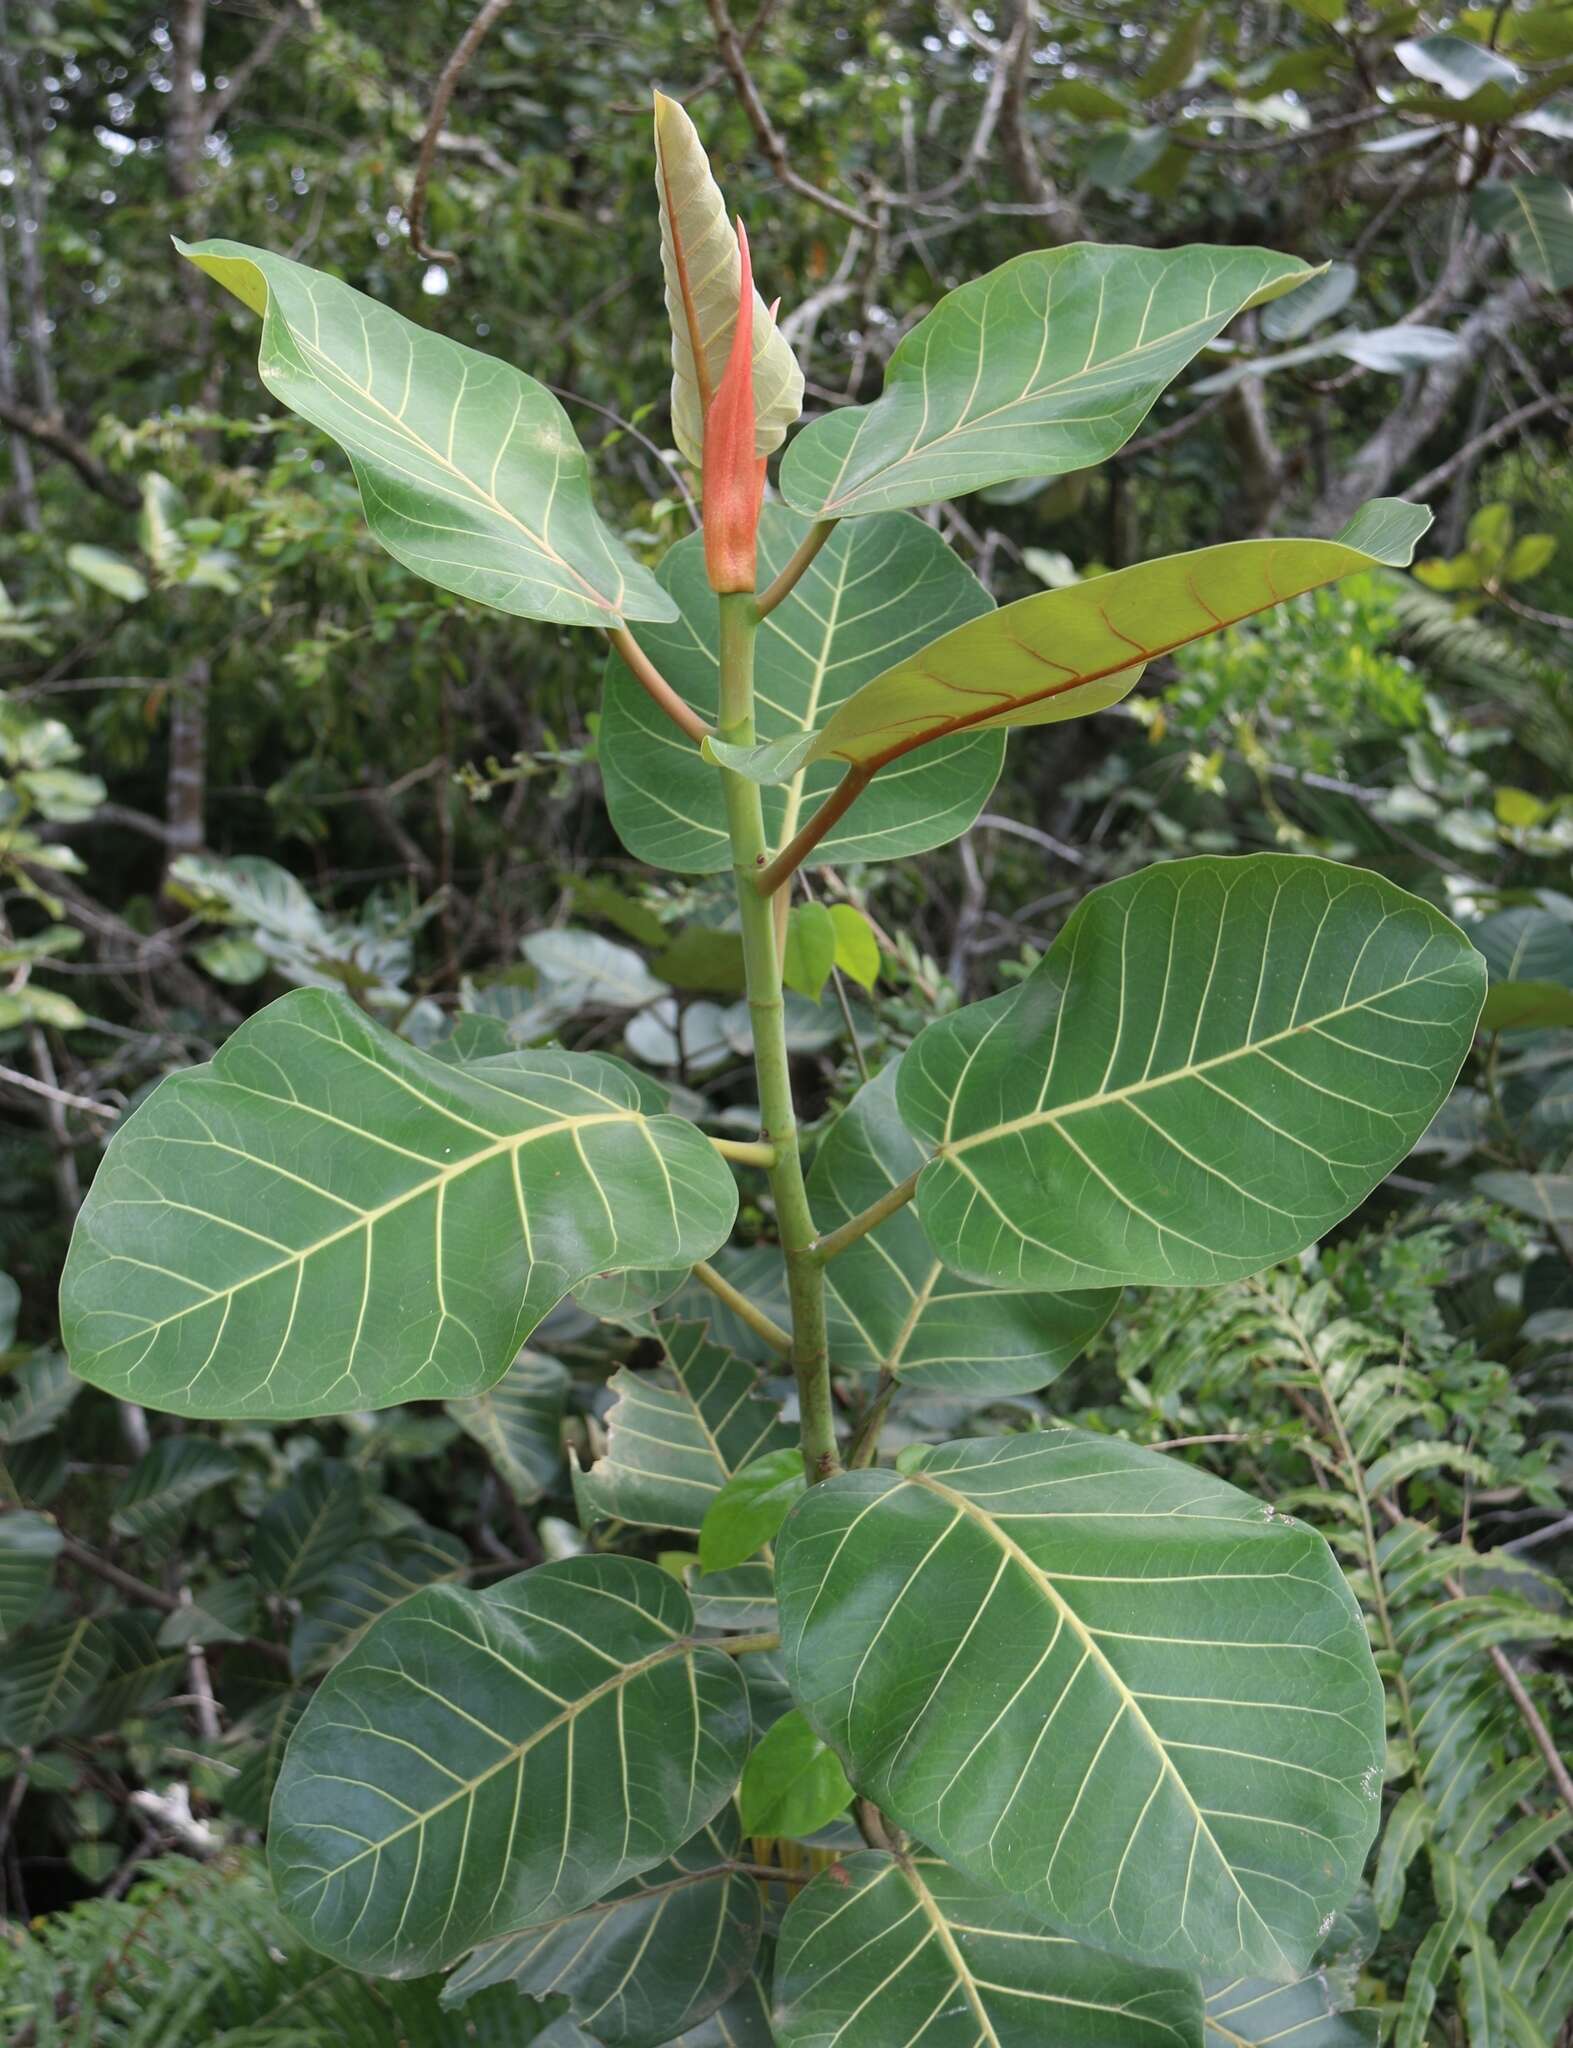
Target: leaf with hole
(1068,652)
(888,1952)
(469,471)
(1049,363)
(893,1305)
(482,1762)
(878,591)
(651,1959)
(1214,1063)
(327,1218)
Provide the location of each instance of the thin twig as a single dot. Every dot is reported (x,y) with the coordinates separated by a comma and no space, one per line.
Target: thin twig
(452,72)
(62,1096)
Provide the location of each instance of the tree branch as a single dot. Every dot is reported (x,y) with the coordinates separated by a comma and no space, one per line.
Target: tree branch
(452,72)
(51,434)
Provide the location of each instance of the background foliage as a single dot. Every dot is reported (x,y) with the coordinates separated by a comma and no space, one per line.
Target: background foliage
(242,750)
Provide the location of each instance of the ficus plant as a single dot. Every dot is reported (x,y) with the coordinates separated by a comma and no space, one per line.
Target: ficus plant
(1081,1730)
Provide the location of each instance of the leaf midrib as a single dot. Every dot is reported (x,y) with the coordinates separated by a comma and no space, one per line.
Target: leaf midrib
(949,1147)
(940,1928)
(1035,1573)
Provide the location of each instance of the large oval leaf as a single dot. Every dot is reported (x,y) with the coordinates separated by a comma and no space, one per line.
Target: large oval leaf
(1099,1680)
(484,1761)
(877,591)
(888,1952)
(892,1303)
(1047,364)
(326,1218)
(1215,1062)
(656,1957)
(703,271)
(1065,653)
(469,471)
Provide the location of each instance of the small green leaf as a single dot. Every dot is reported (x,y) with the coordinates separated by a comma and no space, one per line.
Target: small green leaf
(1178,54)
(793,1785)
(810,950)
(1288,319)
(165,1481)
(222,1611)
(1459,67)
(481,1761)
(857,949)
(750,1508)
(1035,400)
(1215,1062)
(469,471)
(108,570)
(327,1218)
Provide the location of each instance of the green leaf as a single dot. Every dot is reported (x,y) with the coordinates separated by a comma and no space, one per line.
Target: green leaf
(671,1448)
(892,1303)
(1098,1680)
(519,1424)
(1459,67)
(327,1218)
(49,1678)
(222,1611)
(1250,2012)
(1526,944)
(988,387)
(1536,217)
(877,591)
(1527,1006)
(887,1952)
(38,1394)
(857,949)
(792,1784)
(469,471)
(164,1482)
(655,1957)
(108,570)
(1064,653)
(1326,294)
(303,1531)
(483,1761)
(1178,54)
(1548,1197)
(810,950)
(365,1584)
(1215,1062)
(703,271)
(29,1545)
(750,1508)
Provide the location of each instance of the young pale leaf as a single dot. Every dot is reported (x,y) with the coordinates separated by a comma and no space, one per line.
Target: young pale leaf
(482,1762)
(326,1218)
(793,1785)
(857,949)
(893,1304)
(519,1424)
(1100,1681)
(810,950)
(469,471)
(1049,363)
(703,271)
(893,1952)
(29,1545)
(1215,1062)
(655,1957)
(748,1511)
(1064,653)
(877,591)
(671,1449)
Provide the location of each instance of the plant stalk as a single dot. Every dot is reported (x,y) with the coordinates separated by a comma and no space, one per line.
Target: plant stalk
(767,1012)
(793,570)
(767,879)
(868,1219)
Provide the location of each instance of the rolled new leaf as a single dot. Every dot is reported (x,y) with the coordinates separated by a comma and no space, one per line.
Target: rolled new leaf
(1064,653)
(469,471)
(1137,1703)
(327,1218)
(1215,1062)
(699,257)
(1049,363)
(482,1762)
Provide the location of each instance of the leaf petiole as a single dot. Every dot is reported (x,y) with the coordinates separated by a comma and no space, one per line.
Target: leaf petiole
(654,684)
(868,1219)
(797,849)
(796,566)
(746,1311)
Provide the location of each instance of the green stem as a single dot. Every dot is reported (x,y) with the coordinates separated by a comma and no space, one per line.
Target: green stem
(802,555)
(868,1219)
(767,1012)
(762,1325)
(744,1152)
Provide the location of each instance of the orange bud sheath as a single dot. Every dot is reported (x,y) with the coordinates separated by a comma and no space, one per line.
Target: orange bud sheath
(734,479)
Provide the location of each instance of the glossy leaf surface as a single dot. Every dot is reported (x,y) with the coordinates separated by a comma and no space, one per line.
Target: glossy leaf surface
(1049,363)
(327,1218)
(877,591)
(750,1508)
(670,1448)
(1215,1062)
(703,272)
(793,1783)
(1064,653)
(895,1952)
(653,1958)
(469,471)
(893,1304)
(1099,1681)
(484,1761)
